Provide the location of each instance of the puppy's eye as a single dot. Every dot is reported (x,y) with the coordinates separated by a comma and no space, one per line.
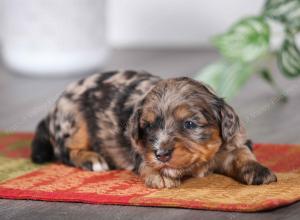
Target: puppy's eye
(190,125)
(149,126)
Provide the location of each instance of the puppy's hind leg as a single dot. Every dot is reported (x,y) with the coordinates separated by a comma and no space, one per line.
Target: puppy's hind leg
(80,155)
(241,165)
(88,160)
(72,144)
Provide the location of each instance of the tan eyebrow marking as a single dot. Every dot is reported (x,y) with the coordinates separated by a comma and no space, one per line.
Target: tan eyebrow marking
(182,111)
(149,116)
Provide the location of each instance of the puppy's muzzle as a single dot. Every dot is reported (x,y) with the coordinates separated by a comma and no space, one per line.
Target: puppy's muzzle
(164,155)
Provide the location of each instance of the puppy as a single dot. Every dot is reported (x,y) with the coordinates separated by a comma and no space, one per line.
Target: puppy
(165,130)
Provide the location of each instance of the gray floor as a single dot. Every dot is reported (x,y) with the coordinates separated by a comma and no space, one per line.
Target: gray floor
(26,100)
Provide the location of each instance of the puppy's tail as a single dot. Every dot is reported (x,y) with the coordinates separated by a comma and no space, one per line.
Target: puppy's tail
(41,147)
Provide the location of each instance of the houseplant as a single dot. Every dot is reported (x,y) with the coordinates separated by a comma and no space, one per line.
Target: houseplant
(245,49)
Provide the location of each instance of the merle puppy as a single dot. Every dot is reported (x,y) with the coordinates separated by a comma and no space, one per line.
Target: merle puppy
(164,130)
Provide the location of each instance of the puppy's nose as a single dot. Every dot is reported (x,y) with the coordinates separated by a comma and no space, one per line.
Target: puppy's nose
(164,155)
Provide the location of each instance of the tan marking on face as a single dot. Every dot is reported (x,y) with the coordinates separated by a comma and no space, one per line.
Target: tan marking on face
(209,149)
(182,112)
(181,156)
(187,152)
(148,116)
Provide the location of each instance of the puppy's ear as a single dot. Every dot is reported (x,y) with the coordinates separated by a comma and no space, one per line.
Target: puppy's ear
(228,120)
(134,130)
(134,124)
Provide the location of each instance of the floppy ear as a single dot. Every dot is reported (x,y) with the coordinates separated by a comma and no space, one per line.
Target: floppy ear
(228,120)
(230,123)
(134,130)
(134,127)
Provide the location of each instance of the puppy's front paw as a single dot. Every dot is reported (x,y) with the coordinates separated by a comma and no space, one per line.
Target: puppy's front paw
(158,181)
(256,174)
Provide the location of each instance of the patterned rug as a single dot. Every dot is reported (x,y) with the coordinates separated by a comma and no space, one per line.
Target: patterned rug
(20,179)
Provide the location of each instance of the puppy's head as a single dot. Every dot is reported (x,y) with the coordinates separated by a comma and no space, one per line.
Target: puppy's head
(181,122)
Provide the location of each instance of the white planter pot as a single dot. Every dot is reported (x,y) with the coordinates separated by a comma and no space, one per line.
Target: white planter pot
(53,37)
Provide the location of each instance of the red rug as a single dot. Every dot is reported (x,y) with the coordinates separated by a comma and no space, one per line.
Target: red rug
(20,179)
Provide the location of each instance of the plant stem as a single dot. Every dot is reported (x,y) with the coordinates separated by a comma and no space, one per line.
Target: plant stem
(267,76)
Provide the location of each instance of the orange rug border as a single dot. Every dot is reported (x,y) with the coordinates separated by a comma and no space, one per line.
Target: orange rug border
(134,200)
(16,194)
(140,200)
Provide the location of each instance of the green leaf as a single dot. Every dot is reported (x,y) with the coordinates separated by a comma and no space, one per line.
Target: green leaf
(225,78)
(267,76)
(289,57)
(245,41)
(285,11)
(212,74)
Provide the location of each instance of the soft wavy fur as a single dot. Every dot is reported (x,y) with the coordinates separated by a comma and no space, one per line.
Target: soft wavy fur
(165,130)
